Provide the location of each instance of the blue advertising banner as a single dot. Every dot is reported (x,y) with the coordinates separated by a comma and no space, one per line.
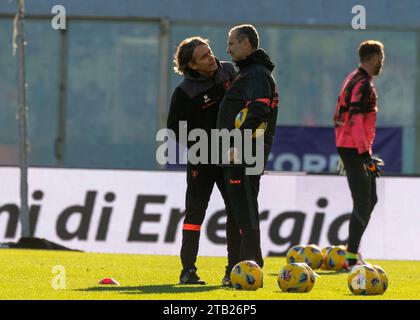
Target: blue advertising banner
(312,149)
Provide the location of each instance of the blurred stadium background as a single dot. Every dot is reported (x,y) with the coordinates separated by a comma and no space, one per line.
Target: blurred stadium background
(100,90)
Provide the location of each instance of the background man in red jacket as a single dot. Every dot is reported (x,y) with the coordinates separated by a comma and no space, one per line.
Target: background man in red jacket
(355,125)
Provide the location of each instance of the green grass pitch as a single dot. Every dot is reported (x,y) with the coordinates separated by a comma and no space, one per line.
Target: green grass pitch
(28,274)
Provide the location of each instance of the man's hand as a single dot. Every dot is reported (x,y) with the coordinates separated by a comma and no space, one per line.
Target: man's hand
(233,156)
(372,165)
(340,167)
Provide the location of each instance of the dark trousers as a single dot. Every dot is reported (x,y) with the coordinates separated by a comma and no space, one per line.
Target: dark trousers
(200,182)
(363,192)
(242,191)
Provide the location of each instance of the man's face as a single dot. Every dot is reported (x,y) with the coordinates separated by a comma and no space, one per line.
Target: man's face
(203,60)
(237,49)
(378,63)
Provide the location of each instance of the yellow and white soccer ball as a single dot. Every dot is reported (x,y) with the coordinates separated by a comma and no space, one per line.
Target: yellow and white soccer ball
(336,258)
(246,275)
(324,252)
(294,277)
(312,256)
(383,277)
(364,280)
(295,254)
(312,275)
(240,118)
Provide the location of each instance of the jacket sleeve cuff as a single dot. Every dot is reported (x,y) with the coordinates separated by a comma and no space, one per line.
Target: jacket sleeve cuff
(365,155)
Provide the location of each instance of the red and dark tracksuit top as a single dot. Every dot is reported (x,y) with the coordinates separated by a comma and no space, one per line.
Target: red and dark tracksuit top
(254,88)
(355,113)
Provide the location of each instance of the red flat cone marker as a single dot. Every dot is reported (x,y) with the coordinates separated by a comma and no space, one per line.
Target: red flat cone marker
(108,281)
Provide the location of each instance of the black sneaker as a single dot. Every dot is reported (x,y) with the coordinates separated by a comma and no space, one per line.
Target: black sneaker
(226,281)
(349,263)
(190,276)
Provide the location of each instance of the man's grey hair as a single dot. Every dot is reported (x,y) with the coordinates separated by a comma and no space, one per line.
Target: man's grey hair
(247,31)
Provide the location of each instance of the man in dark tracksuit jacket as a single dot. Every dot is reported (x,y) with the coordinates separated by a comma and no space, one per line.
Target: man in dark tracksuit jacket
(254,87)
(196,100)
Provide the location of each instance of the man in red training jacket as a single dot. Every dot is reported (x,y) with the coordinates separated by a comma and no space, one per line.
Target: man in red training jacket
(355,126)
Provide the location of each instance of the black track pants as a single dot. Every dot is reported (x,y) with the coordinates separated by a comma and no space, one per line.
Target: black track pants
(200,182)
(242,192)
(363,192)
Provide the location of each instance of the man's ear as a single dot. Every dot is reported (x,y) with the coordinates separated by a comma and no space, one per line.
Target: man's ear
(248,44)
(375,59)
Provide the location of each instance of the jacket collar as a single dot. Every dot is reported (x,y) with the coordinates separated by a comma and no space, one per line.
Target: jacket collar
(259,56)
(195,76)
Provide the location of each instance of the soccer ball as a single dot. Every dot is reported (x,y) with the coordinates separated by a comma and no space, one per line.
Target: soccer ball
(312,275)
(240,118)
(246,275)
(336,258)
(383,277)
(324,257)
(312,256)
(294,277)
(364,280)
(294,254)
